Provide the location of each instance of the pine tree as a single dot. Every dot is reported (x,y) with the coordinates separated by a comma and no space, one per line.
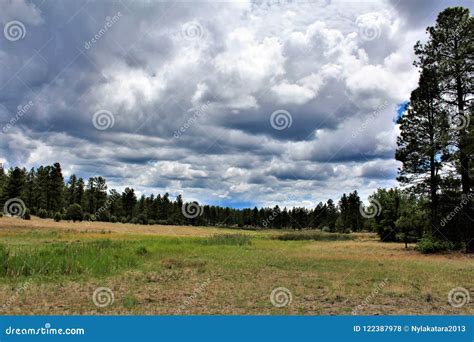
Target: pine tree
(423,140)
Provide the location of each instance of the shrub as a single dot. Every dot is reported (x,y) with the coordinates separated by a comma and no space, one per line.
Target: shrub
(124,220)
(42,213)
(326,229)
(103,216)
(151,222)
(429,244)
(87,217)
(113,219)
(27,214)
(134,220)
(74,212)
(142,219)
(57,217)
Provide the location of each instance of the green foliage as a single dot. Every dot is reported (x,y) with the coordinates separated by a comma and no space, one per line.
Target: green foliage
(57,217)
(113,219)
(27,214)
(42,213)
(398,217)
(74,212)
(429,244)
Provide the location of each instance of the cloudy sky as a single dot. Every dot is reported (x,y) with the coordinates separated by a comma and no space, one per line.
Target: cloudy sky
(231,103)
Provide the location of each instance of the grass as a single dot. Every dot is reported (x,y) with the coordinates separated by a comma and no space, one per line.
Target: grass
(95,258)
(315,236)
(209,273)
(228,239)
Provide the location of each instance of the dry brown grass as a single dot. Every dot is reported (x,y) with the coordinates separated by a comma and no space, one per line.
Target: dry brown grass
(9,224)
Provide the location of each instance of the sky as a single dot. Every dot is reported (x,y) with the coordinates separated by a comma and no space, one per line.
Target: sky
(234,103)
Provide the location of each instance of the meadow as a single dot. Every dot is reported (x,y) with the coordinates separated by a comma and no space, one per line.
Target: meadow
(50,268)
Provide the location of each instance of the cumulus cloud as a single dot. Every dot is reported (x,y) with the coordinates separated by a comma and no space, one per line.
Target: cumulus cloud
(188,90)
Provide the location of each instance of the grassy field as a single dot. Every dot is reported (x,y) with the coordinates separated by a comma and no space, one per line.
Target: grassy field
(55,268)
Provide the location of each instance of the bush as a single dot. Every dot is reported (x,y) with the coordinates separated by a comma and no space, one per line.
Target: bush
(74,212)
(124,220)
(57,217)
(87,217)
(429,244)
(103,216)
(27,214)
(42,213)
(326,229)
(113,219)
(142,219)
(151,222)
(134,220)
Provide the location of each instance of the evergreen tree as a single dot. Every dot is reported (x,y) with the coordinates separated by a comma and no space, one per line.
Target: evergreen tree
(423,140)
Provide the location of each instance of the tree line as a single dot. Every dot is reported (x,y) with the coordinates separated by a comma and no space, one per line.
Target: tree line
(45,193)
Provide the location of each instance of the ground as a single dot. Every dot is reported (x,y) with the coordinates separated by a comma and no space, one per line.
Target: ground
(49,267)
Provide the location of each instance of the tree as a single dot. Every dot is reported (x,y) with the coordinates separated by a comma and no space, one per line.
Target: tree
(56,188)
(14,184)
(450,49)
(72,189)
(129,200)
(74,212)
(423,140)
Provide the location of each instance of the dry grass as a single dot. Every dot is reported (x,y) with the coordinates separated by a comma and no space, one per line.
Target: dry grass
(9,224)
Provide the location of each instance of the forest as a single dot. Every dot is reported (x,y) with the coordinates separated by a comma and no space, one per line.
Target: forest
(433,205)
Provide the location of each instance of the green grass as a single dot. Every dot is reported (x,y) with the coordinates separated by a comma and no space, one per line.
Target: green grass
(228,239)
(315,236)
(93,258)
